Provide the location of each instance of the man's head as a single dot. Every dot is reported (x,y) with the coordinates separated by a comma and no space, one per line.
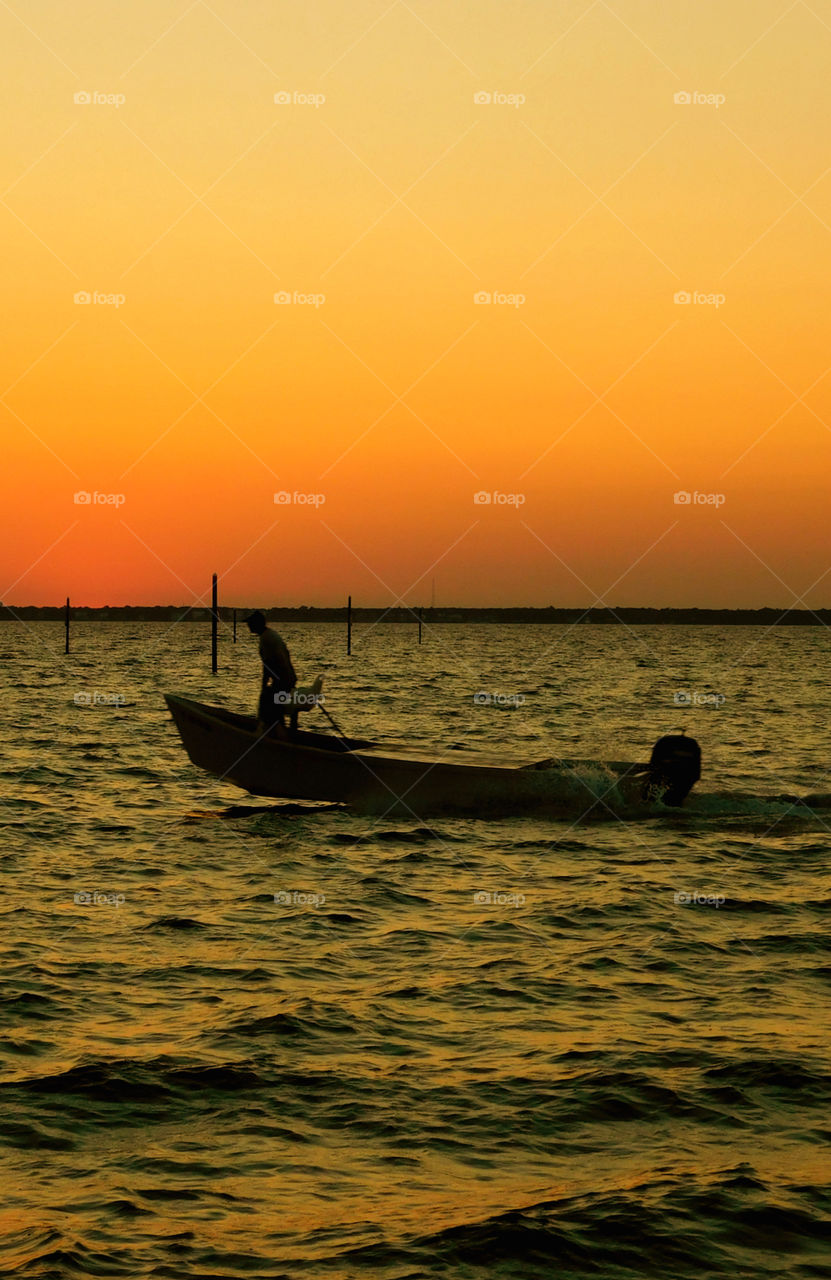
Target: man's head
(256,622)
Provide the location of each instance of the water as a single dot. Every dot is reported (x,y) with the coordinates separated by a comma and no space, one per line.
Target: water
(377,1074)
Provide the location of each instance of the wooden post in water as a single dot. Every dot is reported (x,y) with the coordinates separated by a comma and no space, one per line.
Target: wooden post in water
(419,626)
(214,625)
(66,625)
(349,626)
(235,626)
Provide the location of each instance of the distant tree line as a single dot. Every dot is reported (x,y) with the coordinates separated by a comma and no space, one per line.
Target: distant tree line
(401,614)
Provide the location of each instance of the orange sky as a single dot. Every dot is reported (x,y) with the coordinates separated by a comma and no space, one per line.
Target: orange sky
(580,399)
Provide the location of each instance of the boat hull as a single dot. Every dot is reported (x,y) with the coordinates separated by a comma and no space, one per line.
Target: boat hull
(357,773)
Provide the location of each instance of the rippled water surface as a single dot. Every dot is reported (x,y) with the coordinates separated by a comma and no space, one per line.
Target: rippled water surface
(448,1047)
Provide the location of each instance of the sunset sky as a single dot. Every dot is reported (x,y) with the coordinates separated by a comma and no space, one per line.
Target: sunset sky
(382,197)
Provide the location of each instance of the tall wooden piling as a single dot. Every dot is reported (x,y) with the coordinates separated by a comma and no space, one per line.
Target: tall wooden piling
(419,625)
(214,626)
(66,626)
(349,626)
(235,626)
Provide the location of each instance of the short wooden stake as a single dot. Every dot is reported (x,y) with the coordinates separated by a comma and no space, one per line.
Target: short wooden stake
(214,626)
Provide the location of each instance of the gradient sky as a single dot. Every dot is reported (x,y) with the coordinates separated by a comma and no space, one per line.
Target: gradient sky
(595,399)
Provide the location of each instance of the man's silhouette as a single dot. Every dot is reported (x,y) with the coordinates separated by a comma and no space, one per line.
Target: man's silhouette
(279,678)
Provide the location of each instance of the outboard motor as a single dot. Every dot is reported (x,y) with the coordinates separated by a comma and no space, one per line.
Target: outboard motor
(674,769)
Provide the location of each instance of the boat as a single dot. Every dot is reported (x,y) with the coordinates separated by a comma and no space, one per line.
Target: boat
(373,778)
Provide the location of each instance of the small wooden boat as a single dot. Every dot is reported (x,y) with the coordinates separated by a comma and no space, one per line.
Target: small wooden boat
(359,773)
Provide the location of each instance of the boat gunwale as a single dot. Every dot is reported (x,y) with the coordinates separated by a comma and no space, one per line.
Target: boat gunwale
(371,752)
(244,724)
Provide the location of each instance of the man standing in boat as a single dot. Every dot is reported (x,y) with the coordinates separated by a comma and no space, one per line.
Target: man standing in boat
(278,673)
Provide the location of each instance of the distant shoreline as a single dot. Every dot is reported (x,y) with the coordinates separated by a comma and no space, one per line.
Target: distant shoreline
(400,614)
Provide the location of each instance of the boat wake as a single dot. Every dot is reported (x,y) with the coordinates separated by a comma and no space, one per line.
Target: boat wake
(288,810)
(595,790)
